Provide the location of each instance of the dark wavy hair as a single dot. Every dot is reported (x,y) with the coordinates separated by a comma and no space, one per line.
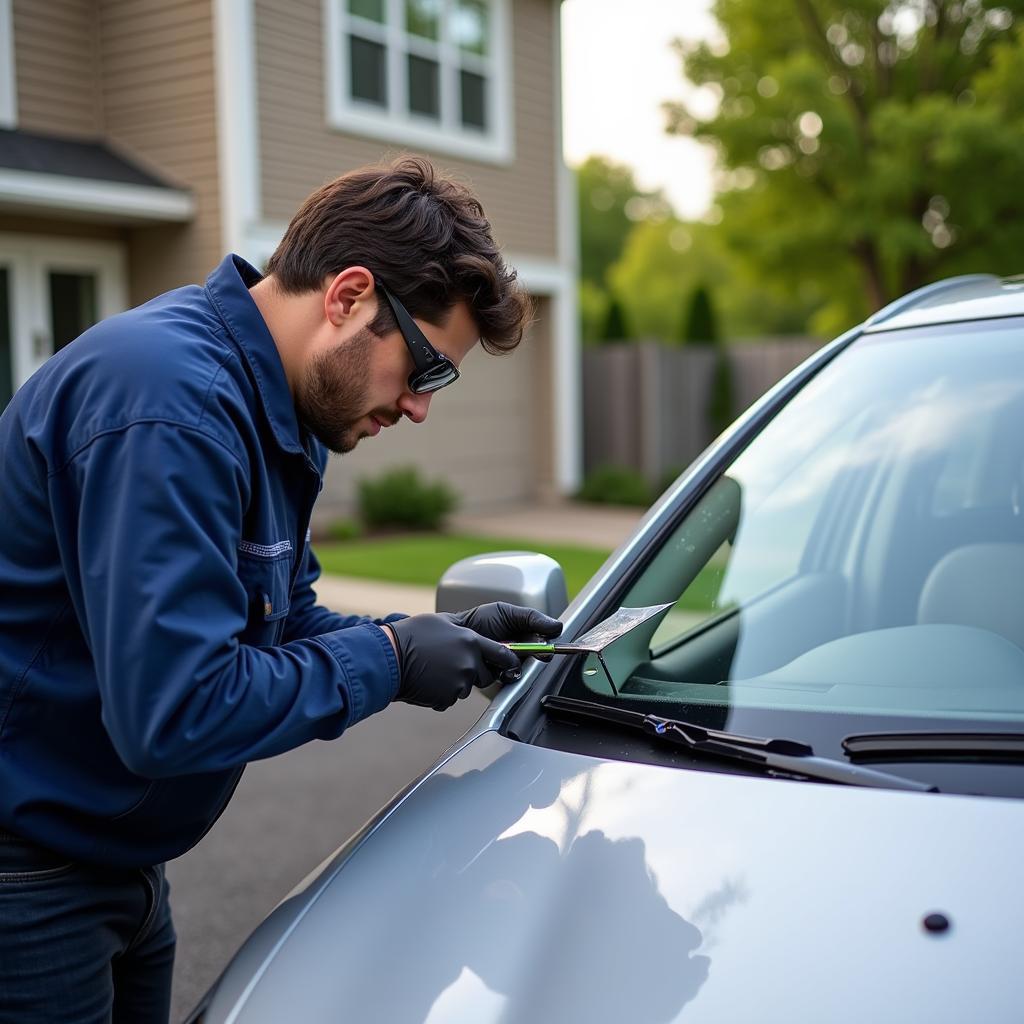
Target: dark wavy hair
(422,233)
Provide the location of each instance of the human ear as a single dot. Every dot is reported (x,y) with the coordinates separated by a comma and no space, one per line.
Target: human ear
(346,292)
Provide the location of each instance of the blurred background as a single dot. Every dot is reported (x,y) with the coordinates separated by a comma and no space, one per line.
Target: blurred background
(697,195)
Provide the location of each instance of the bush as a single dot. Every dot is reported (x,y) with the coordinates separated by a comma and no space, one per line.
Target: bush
(399,498)
(344,529)
(615,485)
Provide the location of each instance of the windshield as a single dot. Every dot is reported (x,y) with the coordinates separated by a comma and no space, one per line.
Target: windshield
(863,558)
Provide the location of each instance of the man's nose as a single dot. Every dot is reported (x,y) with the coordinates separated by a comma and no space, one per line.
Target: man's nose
(415,406)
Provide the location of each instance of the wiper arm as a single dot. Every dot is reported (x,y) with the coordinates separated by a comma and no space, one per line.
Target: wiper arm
(935,746)
(774,756)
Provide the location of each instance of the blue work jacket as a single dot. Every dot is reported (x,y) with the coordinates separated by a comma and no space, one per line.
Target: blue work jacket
(158,629)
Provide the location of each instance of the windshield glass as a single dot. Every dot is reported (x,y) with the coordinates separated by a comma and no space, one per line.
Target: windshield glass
(864,556)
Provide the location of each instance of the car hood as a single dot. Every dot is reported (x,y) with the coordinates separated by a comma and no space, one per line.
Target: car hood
(520,884)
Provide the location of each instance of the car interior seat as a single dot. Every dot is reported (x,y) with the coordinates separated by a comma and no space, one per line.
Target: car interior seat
(978,585)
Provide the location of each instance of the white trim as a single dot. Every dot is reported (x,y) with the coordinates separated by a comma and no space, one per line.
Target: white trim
(261,240)
(567,358)
(8,78)
(35,191)
(540,277)
(30,257)
(397,125)
(237,138)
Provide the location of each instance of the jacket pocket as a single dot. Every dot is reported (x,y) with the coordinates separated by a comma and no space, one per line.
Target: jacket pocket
(267,583)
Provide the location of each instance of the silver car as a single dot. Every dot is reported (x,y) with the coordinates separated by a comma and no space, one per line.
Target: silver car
(793,795)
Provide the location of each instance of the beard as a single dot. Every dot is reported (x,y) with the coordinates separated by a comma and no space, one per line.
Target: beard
(332,395)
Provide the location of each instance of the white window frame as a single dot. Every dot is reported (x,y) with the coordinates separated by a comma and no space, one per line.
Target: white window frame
(28,259)
(8,82)
(397,124)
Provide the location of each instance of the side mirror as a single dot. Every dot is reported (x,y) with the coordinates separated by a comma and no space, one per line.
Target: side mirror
(519,577)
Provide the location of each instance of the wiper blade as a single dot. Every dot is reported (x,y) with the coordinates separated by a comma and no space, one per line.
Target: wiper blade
(782,757)
(935,746)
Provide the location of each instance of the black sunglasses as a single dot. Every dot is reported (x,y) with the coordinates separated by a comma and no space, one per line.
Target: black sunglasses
(433,370)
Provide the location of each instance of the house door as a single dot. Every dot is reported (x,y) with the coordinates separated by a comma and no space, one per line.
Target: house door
(51,290)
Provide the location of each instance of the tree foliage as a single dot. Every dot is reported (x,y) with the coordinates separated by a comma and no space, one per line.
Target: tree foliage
(661,264)
(610,204)
(868,147)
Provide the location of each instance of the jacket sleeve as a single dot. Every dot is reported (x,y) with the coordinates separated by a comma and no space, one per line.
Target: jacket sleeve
(152,566)
(307,618)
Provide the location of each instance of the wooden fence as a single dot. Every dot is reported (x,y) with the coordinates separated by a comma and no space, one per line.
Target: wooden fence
(646,405)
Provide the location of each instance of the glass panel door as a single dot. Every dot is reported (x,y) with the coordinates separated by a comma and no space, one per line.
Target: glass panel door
(73,305)
(51,290)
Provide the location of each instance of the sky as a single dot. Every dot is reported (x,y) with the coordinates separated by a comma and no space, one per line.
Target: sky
(616,73)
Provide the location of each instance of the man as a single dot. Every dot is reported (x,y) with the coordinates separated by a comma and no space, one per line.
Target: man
(158,627)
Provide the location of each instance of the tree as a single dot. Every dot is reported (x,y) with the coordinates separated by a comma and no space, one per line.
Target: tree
(699,324)
(867,147)
(615,328)
(610,203)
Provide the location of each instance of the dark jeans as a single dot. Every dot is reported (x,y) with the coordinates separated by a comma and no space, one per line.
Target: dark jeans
(81,944)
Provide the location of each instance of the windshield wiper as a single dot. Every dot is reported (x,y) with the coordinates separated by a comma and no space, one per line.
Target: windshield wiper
(781,757)
(935,746)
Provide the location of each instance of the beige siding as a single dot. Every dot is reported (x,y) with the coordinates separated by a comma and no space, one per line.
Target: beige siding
(159,105)
(486,435)
(55,51)
(299,151)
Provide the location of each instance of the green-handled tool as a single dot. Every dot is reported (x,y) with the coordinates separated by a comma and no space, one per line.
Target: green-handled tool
(542,648)
(594,641)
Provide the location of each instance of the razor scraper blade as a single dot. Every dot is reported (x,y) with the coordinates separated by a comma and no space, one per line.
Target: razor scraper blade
(601,636)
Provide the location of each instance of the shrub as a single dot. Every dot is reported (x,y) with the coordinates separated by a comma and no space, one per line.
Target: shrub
(615,485)
(399,498)
(344,529)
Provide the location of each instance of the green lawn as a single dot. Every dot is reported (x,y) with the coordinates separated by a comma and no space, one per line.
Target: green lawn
(423,558)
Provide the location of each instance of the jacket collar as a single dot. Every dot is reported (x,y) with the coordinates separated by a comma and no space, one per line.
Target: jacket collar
(228,289)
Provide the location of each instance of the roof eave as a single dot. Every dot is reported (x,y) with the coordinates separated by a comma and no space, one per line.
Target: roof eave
(93,199)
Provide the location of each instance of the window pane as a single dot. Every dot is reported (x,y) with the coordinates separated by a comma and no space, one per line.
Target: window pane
(423,17)
(72,306)
(368,61)
(474,100)
(469,25)
(372,10)
(6,369)
(424,87)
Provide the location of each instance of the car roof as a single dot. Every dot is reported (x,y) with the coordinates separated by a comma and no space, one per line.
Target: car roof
(970,297)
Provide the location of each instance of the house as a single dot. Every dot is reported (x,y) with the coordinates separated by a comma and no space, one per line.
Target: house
(142,139)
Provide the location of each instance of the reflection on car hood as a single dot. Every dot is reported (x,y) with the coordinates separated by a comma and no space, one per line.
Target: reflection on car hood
(519,884)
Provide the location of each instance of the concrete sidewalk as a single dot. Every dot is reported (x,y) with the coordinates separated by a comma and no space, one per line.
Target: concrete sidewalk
(596,526)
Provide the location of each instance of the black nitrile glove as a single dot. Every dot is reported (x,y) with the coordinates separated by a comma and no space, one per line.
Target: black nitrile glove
(509,622)
(440,661)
